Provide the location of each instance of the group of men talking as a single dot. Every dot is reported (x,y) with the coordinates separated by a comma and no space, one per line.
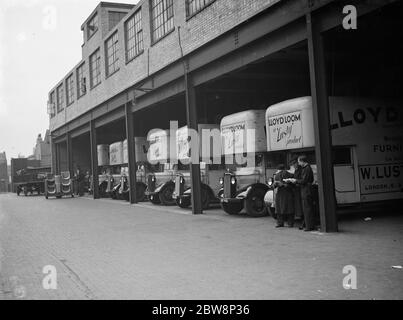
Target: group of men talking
(295,195)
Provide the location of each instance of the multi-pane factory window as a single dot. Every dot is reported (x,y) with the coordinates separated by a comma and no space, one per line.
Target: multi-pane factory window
(95,68)
(52,102)
(81,81)
(92,25)
(134,36)
(112,54)
(195,6)
(70,90)
(60,98)
(162,18)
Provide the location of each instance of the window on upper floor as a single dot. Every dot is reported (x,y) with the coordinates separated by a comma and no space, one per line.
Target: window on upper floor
(81,81)
(70,90)
(112,54)
(195,6)
(114,18)
(92,25)
(134,36)
(60,98)
(95,68)
(51,105)
(162,18)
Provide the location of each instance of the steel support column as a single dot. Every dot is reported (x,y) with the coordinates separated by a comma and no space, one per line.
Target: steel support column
(191,117)
(131,153)
(58,165)
(321,120)
(94,160)
(69,154)
(53,156)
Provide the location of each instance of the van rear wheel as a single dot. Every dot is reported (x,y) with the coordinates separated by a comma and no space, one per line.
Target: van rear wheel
(254,203)
(205,197)
(140,192)
(272,212)
(232,208)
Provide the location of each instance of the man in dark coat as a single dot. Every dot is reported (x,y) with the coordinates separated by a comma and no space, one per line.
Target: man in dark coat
(79,177)
(284,198)
(305,183)
(296,190)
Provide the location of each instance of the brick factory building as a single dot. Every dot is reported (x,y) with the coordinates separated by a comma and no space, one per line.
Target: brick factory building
(196,61)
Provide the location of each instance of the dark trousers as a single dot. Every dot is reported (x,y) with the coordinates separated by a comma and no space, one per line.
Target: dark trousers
(307,208)
(288,217)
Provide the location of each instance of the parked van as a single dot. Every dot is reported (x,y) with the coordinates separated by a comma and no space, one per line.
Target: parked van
(160,182)
(211,169)
(119,183)
(367,139)
(244,148)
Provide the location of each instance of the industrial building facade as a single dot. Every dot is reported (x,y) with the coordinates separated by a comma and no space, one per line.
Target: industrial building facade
(196,61)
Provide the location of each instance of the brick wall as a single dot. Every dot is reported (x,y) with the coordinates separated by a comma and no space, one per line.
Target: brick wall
(214,20)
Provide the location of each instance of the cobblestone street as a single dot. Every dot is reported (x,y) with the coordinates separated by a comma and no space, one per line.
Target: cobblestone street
(112,250)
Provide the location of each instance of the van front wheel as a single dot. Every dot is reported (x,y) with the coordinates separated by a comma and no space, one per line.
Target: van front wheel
(254,203)
(183,202)
(166,193)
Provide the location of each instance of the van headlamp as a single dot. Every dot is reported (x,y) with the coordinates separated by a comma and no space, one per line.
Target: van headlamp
(221,181)
(233,180)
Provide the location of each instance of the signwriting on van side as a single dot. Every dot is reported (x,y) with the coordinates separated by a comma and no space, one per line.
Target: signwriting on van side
(385,148)
(233,138)
(286,131)
(381,178)
(362,115)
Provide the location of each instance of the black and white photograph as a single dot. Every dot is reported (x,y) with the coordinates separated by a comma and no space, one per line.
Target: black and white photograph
(225,152)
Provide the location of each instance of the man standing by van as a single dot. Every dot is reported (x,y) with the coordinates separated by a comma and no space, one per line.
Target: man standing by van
(305,184)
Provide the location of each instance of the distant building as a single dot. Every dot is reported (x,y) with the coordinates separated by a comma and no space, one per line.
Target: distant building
(4,177)
(41,150)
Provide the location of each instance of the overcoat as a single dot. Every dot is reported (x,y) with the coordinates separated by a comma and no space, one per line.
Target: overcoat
(285,196)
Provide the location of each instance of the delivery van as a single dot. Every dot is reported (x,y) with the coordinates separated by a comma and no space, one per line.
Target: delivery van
(244,150)
(211,169)
(160,181)
(367,139)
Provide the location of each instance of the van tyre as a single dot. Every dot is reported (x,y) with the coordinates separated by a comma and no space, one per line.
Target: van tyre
(254,203)
(272,212)
(183,202)
(232,208)
(154,199)
(166,193)
(140,192)
(205,197)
